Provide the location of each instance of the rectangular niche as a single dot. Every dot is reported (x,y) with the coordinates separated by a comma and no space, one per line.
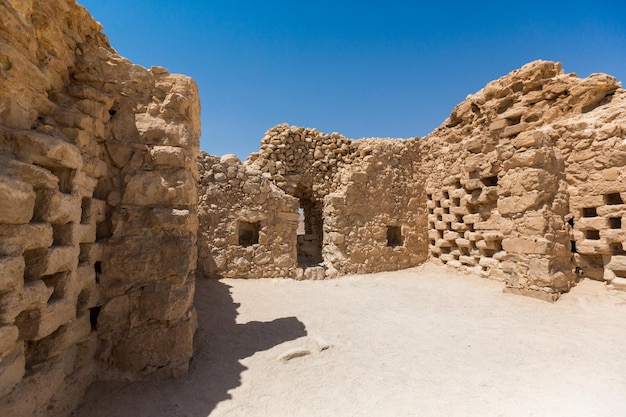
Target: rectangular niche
(249,233)
(615,222)
(613,199)
(592,234)
(589,212)
(394,236)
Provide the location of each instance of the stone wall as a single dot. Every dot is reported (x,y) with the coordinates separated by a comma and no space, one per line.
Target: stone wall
(522,183)
(97,211)
(361,205)
(247,224)
(504,176)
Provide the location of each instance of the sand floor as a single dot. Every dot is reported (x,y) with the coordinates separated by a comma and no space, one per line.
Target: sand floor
(420,342)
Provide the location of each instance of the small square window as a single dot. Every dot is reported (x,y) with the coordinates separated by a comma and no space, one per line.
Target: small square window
(613,199)
(249,233)
(394,236)
(592,234)
(589,212)
(615,222)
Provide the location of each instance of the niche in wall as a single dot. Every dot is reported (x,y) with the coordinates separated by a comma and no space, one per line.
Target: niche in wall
(248,233)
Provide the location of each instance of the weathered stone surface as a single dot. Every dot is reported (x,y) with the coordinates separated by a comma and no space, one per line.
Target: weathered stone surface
(93,149)
(17,200)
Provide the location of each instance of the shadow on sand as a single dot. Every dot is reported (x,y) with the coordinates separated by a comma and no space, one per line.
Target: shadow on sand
(220,344)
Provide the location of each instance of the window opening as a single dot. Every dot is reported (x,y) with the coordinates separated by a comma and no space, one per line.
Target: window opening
(394,236)
(248,233)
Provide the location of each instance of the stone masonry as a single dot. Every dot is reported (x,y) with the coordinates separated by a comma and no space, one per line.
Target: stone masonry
(107,206)
(523,183)
(97,211)
(360,200)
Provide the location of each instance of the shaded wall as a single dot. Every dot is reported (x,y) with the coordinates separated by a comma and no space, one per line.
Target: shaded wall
(97,211)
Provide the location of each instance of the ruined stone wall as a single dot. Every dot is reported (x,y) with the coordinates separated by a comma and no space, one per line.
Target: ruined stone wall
(247,224)
(360,200)
(375,221)
(97,211)
(502,186)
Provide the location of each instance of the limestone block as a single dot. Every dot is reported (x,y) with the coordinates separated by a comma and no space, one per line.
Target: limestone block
(484,244)
(8,339)
(147,258)
(529,158)
(33,295)
(462,243)
(50,261)
(597,223)
(539,270)
(488,262)
(498,124)
(171,156)
(38,387)
(83,185)
(173,188)
(60,340)
(160,301)
(518,204)
(619,283)
(90,253)
(40,322)
(153,346)
(44,150)
(183,220)
(17,200)
(592,247)
(467,260)
(613,235)
(73,234)
(56,207)
(12,369)
(11,273)
(616,263)
(527,245)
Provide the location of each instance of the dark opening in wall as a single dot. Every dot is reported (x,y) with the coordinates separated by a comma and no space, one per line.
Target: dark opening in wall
(438,203)
(394,236)
(446,195)
(490,181)
(445,250)
(66,177)
(592,234)
(571,221)
(446,210)
(613,199)
(431,211)
(429,196)
(573,246)
(94,312)
(440,233)
(248,233)
(309,244)
(456,202)
(432,242)
(617,249)
(589,212)
(615,222)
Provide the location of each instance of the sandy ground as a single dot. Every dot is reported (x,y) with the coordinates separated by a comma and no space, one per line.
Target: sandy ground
(420,342)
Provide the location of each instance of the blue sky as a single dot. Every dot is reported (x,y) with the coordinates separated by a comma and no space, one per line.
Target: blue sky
(363,69)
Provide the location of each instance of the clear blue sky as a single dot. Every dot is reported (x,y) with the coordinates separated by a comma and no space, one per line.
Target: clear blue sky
(361,68)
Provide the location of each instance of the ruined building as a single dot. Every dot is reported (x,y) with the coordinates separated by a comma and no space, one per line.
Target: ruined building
(523,183)
(106,208)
